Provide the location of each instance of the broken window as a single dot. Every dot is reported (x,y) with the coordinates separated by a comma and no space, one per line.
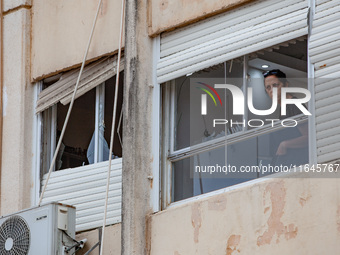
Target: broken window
(87,136)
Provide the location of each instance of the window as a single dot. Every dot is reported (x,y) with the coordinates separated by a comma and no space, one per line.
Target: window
(87,137)
(206,152)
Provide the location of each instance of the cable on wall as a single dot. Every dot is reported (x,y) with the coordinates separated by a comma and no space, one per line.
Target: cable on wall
(71,105)
(113,124)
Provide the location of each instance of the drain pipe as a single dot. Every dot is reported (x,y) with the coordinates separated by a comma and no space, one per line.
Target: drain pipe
(1,81)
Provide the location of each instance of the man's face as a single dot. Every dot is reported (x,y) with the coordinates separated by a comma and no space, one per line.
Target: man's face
(271,82)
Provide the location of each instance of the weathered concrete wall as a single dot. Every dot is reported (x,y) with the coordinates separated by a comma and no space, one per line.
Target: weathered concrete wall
(273,216)
(111,240)
(61,30)
(166,15)
(17,154)
(137,110)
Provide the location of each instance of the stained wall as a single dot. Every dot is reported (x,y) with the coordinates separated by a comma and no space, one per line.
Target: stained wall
(61,31)
(270,216)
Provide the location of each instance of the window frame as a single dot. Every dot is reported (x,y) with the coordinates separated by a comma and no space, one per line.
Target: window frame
(52,122)
(170,155)
(49,134)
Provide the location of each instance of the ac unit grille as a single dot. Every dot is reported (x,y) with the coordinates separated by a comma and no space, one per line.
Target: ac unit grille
(14,236)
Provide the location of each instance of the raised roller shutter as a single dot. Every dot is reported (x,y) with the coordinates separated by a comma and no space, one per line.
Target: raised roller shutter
(324,51)
(232,34)
(85,188)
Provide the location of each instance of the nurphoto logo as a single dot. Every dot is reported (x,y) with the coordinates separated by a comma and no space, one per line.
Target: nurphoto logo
(239,104)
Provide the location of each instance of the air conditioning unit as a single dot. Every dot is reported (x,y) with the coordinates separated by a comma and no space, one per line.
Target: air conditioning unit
(44,230)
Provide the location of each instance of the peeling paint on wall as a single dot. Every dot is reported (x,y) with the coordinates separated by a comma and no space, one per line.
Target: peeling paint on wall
(290,231)
(196,220)
(304,198)
(164,5)
(266,210)
(233,242)
(275,226)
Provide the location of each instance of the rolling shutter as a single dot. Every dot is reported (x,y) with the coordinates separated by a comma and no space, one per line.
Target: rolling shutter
(324,51)
(93,75)
(85,188)
(232,34)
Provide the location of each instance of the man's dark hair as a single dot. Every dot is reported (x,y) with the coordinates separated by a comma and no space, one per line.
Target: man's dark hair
(278,73)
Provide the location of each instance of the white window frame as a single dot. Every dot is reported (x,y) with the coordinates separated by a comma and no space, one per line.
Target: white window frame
(37,172)
(169,155)
(65,185)
(36,144)
(99,115)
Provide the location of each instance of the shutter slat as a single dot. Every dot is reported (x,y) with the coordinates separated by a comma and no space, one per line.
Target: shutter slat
(327,132)
(326,117)
(324,85)
(231,55)
(217,20)
(326,16)
(92,76)
(96,195)
(335,147)
(317,47)
(88,169)
(97,217)
(323,54)
(328,140)
(114,184)
(331,70)
(218,49)
(207,44)
(327,109)
(325,94)
(85,187)
(98,210)
(89,225)
(330,124)
(324,5)
(328,31)
(236,26)
(92,204)
(328,157)
(71,177)
(327,101)
(332,75)
(230,35)
(328,62)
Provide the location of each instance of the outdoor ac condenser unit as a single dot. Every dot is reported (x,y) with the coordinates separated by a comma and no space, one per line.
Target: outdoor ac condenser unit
(42,230)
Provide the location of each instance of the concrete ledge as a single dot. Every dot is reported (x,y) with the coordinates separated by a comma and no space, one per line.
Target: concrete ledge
(273,216)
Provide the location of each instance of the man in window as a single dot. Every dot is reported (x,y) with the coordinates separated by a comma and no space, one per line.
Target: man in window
(289,144)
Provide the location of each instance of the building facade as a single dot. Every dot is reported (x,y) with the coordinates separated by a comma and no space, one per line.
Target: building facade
(160,200)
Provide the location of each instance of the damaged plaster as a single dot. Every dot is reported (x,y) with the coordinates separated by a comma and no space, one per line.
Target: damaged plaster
(276,228)
(232,245)
(196,220)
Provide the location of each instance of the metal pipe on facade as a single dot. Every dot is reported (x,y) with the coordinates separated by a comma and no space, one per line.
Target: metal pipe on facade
(1,82)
